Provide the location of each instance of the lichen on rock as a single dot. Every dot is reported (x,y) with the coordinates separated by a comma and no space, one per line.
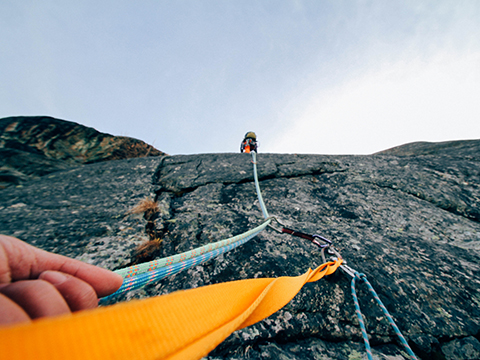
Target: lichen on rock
(410,223)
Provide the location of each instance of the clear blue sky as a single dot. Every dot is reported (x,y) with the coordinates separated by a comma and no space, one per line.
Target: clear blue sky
(324,77)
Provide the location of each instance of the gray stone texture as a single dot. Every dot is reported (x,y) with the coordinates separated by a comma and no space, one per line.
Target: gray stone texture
(410,223)
(33,146)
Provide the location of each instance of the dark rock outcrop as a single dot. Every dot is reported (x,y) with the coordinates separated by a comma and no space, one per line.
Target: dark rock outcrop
(465,148)
(410,223)
(32,146)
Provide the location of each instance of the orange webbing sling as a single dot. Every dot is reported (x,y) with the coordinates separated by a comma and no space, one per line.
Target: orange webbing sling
(182,325)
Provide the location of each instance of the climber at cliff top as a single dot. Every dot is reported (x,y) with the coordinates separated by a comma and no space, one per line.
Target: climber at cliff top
(35,283)
(249,143)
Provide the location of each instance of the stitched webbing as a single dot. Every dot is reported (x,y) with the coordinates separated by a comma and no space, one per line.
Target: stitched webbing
(182,325)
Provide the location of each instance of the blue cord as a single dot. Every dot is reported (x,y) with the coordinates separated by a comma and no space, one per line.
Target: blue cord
(385,311)
(145,278)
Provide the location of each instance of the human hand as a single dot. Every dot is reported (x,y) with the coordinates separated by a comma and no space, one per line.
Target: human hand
(35,283)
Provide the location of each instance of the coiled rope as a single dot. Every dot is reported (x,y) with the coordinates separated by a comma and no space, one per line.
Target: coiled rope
(137,276)
(358,276)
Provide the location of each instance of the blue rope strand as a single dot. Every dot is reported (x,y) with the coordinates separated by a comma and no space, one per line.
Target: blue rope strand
(140,275)
(385,311)
(138,281)
(360,319)
(158,263)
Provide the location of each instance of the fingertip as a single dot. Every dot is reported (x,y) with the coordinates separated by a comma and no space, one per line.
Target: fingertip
(118,281)
(111,283)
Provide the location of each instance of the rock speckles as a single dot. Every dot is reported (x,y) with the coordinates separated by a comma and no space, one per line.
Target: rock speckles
(410,223)
(33,146)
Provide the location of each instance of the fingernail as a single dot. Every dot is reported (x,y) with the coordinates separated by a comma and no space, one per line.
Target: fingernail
(53,277)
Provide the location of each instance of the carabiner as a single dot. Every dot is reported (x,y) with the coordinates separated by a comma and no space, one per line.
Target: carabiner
(328,242)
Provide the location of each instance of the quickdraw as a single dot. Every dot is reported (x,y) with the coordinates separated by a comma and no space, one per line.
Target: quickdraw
(139,275)
(313,238)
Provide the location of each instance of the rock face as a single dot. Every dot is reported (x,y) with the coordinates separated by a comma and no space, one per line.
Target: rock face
(37,145)
(465,148)
(410,223)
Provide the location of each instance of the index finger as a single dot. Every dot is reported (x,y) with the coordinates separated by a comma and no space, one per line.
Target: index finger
(21,261)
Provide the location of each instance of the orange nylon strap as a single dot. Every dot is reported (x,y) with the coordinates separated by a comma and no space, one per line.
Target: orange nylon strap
(182,325)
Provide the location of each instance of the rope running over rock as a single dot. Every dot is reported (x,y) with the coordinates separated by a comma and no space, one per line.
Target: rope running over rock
(363,277)
(137,276)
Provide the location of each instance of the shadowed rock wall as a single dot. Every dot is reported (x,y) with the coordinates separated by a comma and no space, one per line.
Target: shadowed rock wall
(467,149)
(411,224)
(32,146)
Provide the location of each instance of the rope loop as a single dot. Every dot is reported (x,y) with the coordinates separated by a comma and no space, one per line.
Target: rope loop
(361,276)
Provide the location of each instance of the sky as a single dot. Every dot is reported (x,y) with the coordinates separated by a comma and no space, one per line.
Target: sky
(192,76)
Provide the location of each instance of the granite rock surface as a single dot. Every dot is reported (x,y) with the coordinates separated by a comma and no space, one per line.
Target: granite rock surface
(33,146)
(410,223)
(467,149)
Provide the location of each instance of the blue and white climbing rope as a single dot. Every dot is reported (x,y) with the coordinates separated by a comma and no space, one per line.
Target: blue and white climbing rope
(137,276)
(157,272)
(257,186)
(359,276)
